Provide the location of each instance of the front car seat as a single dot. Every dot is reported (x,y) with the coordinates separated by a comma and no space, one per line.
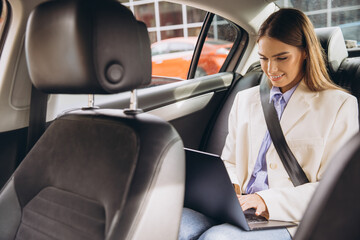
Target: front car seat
(333,212)
(95,173)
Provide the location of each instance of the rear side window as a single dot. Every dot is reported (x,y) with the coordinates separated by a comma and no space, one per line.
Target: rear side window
(1,15)
(219,40)
(174,29)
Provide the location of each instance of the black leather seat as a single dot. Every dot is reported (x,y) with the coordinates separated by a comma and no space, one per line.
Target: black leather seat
(333,44)
(343,70)
(334,210)
(95,173)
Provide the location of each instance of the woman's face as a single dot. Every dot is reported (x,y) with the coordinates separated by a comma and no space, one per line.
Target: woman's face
(282,63)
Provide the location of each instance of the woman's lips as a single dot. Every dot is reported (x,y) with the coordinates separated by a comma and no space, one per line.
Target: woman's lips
(276,77)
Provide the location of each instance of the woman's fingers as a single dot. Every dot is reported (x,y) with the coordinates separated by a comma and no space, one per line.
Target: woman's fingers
(254,201)
(247,201)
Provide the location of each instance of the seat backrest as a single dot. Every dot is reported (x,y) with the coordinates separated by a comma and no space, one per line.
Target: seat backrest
(333,44)
(333,212)
(348,76)
(95,173)
(343,70)
(219,131)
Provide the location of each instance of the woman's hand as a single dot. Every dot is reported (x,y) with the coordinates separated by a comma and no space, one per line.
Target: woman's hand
(254,201)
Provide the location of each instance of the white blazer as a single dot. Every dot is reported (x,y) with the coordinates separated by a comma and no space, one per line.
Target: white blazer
(315,125)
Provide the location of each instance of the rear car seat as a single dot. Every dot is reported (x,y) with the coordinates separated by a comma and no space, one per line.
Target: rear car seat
(344,71)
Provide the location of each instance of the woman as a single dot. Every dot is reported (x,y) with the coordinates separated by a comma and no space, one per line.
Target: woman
(316,116)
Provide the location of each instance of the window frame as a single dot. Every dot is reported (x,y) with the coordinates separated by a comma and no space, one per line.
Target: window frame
(201,41)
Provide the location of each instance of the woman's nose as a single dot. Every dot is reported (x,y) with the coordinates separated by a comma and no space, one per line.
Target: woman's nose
(272,67)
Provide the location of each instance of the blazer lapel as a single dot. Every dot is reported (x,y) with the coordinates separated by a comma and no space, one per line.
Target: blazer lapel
(298,105)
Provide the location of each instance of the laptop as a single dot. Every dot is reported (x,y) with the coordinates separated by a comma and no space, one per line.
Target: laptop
(208,190)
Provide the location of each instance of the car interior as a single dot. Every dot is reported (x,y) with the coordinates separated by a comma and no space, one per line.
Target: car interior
(91,148)
(89,189)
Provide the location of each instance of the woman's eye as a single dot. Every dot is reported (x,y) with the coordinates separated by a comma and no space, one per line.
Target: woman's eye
(282,58)
(262,58)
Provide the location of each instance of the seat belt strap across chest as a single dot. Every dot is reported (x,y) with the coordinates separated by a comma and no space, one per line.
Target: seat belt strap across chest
(288,159)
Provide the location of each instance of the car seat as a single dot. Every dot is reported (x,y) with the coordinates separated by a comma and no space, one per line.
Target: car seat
(333,212)
(343,70)
(94,173)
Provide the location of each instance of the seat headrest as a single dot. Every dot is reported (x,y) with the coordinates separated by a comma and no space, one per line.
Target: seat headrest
(87,46)
(332,41)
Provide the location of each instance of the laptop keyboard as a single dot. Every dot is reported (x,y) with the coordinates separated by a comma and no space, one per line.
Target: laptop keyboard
(251,217)
(254,218)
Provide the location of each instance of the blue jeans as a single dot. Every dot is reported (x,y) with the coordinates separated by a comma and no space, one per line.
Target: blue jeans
(195,225)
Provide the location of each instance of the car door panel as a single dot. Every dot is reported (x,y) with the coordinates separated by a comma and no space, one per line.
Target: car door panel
(188,105)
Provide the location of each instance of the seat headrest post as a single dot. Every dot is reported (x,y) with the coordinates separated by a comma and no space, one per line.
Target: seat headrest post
(91,100)
(133,100)
(133,110)
(91,103)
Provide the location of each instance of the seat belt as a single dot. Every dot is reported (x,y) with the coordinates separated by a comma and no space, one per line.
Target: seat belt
(288,159)
(37,117)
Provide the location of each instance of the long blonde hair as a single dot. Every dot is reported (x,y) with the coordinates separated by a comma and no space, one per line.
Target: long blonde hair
(293,27)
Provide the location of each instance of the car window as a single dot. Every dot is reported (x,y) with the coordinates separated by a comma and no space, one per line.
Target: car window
(180,47)
(160,48)
(327,13)
(174,30)
(4,15)
(1,14)
(219,40)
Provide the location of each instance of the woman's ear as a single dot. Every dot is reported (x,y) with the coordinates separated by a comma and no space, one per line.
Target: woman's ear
(304,54)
